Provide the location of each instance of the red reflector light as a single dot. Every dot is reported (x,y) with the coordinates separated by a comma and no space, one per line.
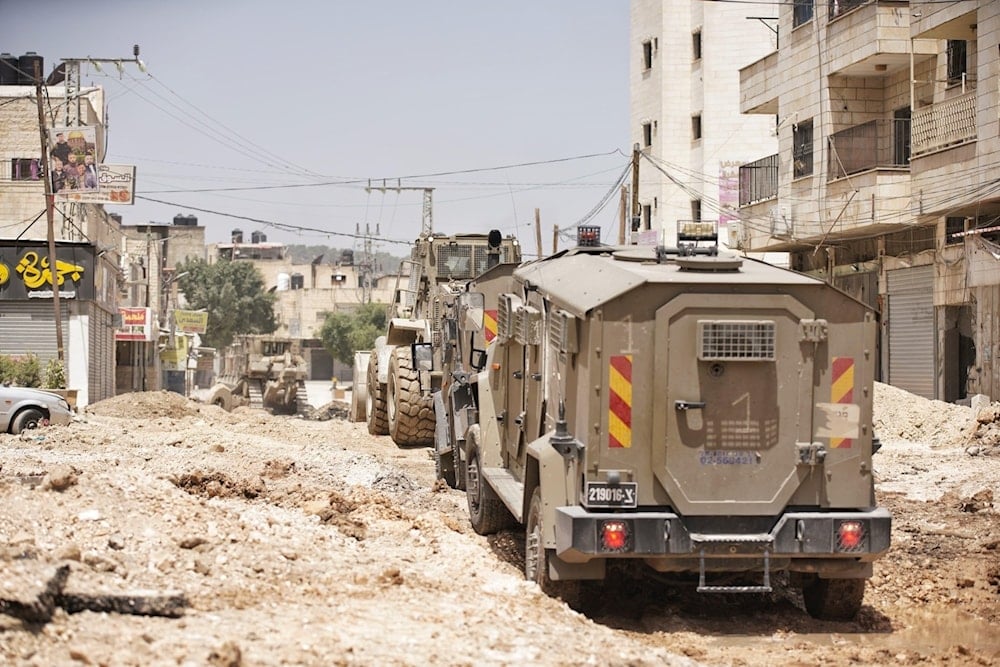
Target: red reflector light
(614,535)
(850,535)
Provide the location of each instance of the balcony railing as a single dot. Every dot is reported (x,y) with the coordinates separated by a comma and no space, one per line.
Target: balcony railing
(877,144)
(944,124)
(839,7)
(759,180)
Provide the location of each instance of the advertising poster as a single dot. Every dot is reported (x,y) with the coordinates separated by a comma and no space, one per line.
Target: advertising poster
(116,186)
(73,160)
(137,324)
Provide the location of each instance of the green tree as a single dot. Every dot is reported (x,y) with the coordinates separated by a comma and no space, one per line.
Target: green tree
(234,296)
(345,332)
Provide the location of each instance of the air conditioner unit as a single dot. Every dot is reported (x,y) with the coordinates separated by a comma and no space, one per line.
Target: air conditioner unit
(781,224)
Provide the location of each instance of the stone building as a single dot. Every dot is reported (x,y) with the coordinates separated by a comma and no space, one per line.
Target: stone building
(87,244)
(884,181)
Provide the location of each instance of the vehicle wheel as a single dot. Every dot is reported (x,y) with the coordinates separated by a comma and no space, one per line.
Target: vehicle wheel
(487,512)
(411,414)
(375,415)
(28,418)
(834,599)
(536,557)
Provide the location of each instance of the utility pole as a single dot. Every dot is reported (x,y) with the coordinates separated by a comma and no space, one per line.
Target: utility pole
(622,216)
(636,217)
(427,220)
(538,231)
(49,215)
(366,269)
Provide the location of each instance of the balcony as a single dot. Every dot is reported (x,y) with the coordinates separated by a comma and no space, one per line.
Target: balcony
(877,144)
(872,38)
(759,180)
(944,124)
(759,86)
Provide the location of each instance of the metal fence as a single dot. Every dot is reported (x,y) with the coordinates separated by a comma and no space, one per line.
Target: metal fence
(876,144)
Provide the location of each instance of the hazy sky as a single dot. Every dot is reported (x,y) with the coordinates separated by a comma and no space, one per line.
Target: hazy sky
(244,95)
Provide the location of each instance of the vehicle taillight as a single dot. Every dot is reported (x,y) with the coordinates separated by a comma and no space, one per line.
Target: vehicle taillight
(614,535)
(850,535)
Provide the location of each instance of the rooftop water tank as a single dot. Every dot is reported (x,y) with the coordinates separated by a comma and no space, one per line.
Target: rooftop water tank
(237,236)
(284,282)
(8,70)
(347,257)
(26,63)
(258,237)
(298,281)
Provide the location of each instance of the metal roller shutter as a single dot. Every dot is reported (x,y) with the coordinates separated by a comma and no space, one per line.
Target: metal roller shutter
(911,330)
(29,327)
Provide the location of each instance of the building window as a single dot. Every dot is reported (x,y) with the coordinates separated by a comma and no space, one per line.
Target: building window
(647,55)
(24,169)
(802,12)
(802,148)
(647,217)
(696,45)
(696,127)
(957,61)
(647,134)
(953,226)
(696,210)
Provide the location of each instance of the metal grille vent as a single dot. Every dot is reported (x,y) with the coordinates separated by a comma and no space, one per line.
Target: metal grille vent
(736,340)
(505,311)
(529,326)
(454,261)
(436,315)
(562,331)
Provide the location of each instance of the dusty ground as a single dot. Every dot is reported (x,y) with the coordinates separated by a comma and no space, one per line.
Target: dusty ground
(313,543)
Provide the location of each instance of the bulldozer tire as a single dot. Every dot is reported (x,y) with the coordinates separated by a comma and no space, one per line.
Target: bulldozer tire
(834,599)
(222,397)
(411,414)
(487,513)
(536,558)
(375,414)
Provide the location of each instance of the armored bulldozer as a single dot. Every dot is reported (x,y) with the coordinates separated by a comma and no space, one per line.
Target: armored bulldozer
(385,381)
(705,415)
(263,371)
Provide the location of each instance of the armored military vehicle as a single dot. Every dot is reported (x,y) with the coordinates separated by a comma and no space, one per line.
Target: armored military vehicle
(703,414)
(262,371)
(395,402)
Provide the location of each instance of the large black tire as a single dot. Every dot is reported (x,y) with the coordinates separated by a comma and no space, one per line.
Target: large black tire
(536,557)
(27,419)
(487,512)
(834,599)
(375,415)
(410,412)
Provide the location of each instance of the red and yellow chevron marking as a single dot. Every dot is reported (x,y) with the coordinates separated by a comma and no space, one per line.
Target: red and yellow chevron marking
(620,401)
(489,325)
(842,391)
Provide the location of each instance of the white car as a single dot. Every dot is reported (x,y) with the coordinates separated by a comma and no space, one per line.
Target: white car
(23,408)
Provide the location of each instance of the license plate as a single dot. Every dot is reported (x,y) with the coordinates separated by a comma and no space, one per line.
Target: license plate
(602,494)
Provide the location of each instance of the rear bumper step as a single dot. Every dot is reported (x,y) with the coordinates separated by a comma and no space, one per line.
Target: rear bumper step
(661,535)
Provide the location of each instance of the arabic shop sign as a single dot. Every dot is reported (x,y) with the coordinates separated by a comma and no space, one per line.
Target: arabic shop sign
(191,321)
(137,324)
(25,272)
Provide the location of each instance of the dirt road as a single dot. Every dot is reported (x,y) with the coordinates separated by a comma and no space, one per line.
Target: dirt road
(295,542)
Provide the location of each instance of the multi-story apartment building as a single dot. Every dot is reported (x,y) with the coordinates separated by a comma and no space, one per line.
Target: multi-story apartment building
(307,293)
(685,57)
(885,179)
(87,240)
